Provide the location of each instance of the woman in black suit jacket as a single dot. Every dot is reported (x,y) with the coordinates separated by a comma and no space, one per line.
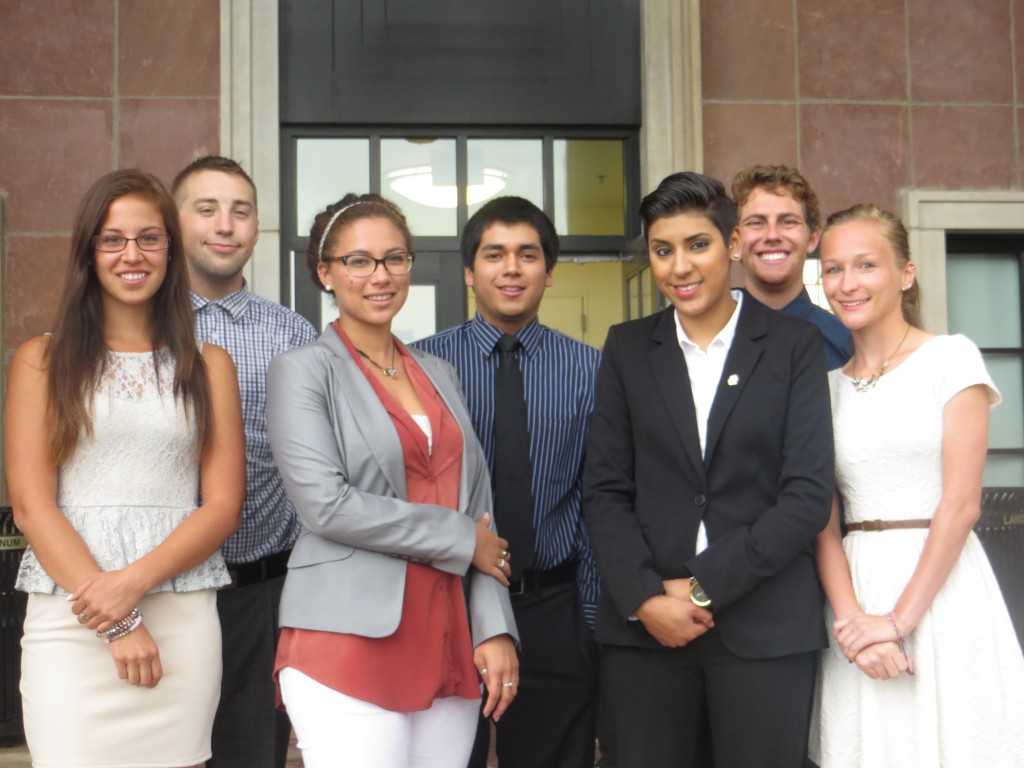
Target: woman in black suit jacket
(708,475)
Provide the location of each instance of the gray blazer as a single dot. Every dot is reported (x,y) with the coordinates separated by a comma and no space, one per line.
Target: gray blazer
(342,465)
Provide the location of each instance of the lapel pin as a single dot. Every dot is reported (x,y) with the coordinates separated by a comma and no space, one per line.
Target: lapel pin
(733,380)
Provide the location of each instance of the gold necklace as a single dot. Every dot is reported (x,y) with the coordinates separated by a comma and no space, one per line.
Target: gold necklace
(864,385)
(390,371)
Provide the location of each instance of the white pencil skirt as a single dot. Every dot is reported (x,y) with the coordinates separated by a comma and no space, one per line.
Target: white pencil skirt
(78,712)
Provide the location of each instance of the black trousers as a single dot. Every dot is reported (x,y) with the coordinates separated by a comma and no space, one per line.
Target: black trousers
(249,731)
(701,706)
(551,723)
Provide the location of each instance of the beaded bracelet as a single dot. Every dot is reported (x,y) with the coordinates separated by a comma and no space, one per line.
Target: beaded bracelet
(900,641)
(121,633)
(128,624)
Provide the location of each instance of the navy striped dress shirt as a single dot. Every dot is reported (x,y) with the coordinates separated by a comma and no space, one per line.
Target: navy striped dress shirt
(558,378)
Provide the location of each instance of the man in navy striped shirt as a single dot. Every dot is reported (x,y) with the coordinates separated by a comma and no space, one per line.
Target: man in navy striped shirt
(217,207)
(509,249)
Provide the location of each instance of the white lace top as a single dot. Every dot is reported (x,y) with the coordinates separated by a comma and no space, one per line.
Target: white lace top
(135,479)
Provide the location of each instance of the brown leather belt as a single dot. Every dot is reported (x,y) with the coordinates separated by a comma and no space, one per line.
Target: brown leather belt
(886,525)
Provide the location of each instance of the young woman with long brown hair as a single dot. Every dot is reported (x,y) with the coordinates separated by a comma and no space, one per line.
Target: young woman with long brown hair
(115,423)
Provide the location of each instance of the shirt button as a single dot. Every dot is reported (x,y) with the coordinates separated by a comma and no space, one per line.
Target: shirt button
(700,499)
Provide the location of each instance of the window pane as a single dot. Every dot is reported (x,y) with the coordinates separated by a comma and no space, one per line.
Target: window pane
(1003,471)
(504,167)
(417,319)
(651,296)
(328,311)
(634,286)
(590,187)
(812,282)
(995,320)
(327,169)
(1006,424)
(419,175)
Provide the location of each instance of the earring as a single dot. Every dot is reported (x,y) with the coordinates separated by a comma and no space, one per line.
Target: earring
(735,255)
(906,287)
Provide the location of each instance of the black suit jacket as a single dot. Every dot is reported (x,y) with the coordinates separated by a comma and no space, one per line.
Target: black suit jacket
(763,488)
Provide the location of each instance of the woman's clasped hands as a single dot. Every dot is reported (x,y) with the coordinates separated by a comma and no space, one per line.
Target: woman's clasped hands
(873,643)
(100,603)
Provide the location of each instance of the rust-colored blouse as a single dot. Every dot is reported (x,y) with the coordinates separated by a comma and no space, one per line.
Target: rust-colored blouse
(430,655)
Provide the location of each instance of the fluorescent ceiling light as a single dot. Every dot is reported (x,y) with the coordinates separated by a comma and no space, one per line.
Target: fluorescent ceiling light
(417,184)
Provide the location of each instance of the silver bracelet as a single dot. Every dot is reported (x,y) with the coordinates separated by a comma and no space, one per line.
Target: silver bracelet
(900,640)
(128,624)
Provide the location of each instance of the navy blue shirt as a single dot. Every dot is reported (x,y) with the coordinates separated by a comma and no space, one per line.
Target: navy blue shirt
(558,378)
(838,344)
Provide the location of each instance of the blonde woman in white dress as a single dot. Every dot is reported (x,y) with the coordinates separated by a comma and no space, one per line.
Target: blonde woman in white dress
(924,668)
(114,424)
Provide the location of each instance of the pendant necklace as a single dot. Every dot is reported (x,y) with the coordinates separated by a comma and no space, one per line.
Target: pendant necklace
(863,385)
(390,371)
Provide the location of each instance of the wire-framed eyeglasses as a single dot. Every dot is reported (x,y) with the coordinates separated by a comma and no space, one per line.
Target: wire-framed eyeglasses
(358,265)
(115,243)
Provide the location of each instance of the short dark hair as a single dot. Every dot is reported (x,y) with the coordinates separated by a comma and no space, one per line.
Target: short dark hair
(211,163)
(509,210)
(689,192)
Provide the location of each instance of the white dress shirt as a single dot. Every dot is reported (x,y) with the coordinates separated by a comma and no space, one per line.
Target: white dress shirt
(705,368)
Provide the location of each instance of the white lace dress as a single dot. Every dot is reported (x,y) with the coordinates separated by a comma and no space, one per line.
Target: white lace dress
(964,707)
(125,490)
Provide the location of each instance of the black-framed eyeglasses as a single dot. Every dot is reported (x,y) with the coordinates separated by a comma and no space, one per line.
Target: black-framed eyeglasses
(147,242)
(398,263)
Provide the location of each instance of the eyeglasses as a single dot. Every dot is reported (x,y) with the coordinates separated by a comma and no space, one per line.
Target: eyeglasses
(364,266)
(115,243)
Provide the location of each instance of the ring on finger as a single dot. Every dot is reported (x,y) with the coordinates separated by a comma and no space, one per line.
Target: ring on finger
(83,617)
(504,553)
(501,564)
(508,685)
(483,671)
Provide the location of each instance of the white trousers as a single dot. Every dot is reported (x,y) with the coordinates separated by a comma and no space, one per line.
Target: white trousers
(337,731)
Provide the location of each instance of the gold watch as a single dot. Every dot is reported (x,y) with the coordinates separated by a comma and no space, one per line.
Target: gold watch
(697,594)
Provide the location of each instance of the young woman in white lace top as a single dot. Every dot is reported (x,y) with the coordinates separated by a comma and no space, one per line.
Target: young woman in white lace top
(115,423)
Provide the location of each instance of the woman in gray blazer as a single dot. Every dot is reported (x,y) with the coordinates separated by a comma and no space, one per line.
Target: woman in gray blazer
(384,644)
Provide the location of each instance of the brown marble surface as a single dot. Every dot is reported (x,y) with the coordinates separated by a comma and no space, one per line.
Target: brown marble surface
(747,49)
(169,49)
(57,48)
(960,52)
(852,50)
(855,153)
(163,135)
(740,135)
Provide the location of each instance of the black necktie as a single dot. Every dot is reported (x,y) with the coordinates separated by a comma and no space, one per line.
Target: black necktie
(513,494)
